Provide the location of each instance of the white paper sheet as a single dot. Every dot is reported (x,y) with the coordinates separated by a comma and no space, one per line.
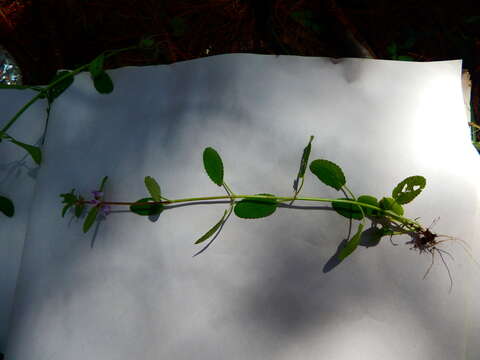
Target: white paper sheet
(17,181)
(130,287)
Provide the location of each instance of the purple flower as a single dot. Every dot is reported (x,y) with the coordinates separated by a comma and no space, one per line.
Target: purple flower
(104,209)
(97,194)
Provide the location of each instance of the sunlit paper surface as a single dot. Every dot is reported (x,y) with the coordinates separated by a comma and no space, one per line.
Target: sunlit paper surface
(130,288)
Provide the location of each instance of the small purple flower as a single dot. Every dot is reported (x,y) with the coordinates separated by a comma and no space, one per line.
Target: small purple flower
(97,194)
(104,209)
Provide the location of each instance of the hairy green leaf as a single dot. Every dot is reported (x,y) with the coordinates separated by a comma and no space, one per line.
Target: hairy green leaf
(352,244)
(34,151)
(408,189)
(153,188)
(210,232)
(213,165)
(6,206)
(328,172)
(349,211)
(387,203)
(148,209)
(103,83)
(254,208)
(91,216)
(96,66)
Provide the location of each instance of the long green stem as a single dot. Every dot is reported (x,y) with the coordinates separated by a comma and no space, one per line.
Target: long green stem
(43,92)
(388,213)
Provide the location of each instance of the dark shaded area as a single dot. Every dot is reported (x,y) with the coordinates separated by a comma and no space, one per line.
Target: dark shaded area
(45,36)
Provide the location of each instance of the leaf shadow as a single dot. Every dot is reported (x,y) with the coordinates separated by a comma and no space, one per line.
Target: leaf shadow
(368,239)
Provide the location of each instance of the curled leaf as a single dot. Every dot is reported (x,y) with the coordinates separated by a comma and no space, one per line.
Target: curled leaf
(304,160)
(210,232)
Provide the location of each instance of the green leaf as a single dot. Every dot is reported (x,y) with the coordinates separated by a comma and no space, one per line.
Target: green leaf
(6,206)
(210,232)
(408,189)
(56,90)
(96,66)
(103,83)
(102,185)
(69,198)
(352,244)
(388,203)
(350,211)
(34,151)
(328,172)
(79,208)
(92,215)
(153,188)
(353,211)
(213,165)
(65,208)
(179,26)
(304,160)
(148,209)
(371,200)
(254,208)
